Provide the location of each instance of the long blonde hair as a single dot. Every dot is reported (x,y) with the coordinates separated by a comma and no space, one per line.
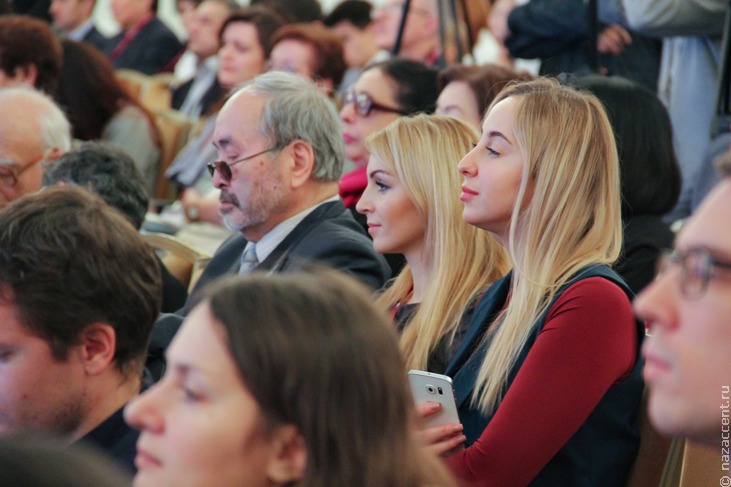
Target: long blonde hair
(423,151)
(568,218)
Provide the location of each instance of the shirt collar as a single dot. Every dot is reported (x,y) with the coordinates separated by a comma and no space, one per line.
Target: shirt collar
(276,235)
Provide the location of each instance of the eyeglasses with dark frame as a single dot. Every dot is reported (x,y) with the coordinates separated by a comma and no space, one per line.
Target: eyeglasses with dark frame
(696,269)
(224,168)
(364,104)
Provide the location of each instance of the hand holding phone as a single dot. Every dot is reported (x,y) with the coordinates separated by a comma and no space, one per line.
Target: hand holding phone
(430,387)
(437,388)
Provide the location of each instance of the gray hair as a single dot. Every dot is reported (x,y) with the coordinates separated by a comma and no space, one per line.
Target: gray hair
(295,109)
(106,170)
(54,127)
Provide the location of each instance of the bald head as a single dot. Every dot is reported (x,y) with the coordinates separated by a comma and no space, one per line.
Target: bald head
(37,131)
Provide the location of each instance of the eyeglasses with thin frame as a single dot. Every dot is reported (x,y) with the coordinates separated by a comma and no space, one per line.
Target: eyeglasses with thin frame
(697,268)
(9,172)
(364,104)
(224,168)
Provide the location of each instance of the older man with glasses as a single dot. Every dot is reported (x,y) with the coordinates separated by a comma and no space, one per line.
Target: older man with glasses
(688,314)
(33,131)
(280,156)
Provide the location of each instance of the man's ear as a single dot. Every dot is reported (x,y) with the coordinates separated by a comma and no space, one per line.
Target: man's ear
(53,154)
(26,75)
(98,342)
(303,163)
(288,458)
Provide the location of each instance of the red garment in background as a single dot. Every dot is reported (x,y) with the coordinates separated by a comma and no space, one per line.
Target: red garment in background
(352,186)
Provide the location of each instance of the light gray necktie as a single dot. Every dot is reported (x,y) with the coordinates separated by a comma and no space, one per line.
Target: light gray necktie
(248,260)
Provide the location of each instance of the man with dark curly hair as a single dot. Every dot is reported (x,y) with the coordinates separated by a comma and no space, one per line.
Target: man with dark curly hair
(30,54)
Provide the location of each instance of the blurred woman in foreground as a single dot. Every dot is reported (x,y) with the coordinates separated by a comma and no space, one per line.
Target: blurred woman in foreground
(272,381)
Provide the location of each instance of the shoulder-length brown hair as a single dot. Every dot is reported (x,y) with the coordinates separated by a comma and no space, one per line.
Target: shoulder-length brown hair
(90,93)
(315,353)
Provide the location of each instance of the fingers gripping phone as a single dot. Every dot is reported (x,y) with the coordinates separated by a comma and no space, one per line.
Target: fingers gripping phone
(427,386)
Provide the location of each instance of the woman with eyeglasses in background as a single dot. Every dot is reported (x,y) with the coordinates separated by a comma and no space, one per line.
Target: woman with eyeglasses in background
(384,92)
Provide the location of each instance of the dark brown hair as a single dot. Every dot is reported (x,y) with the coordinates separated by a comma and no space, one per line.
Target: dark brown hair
(24,42)
(90,93)
(414,84)
(315,353)
(329,61)
(649,171)
(485,81)
(265,20)
(67,259)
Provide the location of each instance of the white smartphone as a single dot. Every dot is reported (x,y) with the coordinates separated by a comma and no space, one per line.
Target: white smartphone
(427,386)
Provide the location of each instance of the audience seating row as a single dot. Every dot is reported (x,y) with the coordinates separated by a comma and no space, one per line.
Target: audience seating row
(184,262)
(153,92)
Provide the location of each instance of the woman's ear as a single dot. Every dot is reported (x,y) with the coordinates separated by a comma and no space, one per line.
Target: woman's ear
(288,458)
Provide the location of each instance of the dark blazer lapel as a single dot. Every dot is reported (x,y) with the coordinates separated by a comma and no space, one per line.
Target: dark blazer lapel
(466,362)
(464,369)
(280,256)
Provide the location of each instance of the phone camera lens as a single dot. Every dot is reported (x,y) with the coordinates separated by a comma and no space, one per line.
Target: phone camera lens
(430,389)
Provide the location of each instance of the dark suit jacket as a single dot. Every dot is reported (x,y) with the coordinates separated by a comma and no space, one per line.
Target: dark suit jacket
(212,95)
(174,294)
(34,8)
(151,51)
(645,237)
(96,39)
(116,439)
(329,235)
(613,420)
(556,31)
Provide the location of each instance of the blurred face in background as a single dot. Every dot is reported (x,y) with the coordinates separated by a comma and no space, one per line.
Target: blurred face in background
(70,14)
(205,27)
(459,101)
(359,45)
(293,56)
(186,10)
(240,57)
(21,155)
(421,23)
(128,12)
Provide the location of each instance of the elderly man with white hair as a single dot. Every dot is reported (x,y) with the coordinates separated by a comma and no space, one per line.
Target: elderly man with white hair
(34,131)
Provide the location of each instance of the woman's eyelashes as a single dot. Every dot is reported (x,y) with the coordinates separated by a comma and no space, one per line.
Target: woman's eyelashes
(381,186)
